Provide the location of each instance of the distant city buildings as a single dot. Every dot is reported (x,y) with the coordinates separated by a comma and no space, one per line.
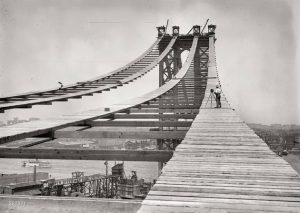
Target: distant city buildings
(275,125)
(16,120)
(277,136)
(140,144)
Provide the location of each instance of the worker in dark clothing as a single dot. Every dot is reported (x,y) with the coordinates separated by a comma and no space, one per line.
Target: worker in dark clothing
(218,96)
(61,85)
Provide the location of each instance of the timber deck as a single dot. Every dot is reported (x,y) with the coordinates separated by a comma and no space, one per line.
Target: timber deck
(223,166)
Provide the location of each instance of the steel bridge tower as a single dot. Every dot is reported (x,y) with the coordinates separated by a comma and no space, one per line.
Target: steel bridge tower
(219,162)
(169,67)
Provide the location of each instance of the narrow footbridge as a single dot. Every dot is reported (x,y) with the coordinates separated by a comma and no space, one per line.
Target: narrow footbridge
(212,161)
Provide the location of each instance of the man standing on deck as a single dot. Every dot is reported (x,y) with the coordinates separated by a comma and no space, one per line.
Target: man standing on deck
(218,96)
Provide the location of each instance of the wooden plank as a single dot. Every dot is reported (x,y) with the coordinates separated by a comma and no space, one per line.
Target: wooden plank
(227,204)
(121,134)
(265,182)
(141,123)
(226,185)
(157,110)
(203,208)
(153,116)
(170,106)
(28,142)
(292,205)
(87,154)
(216,206)
(54,204)
(230,196)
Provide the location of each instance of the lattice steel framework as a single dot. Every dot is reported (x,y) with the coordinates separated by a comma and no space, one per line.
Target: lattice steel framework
(182,94)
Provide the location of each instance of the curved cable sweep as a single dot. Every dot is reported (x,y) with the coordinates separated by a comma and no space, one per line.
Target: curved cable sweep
(123,75)
(30,129)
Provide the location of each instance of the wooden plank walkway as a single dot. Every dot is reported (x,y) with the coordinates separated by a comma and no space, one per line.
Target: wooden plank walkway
(223,166)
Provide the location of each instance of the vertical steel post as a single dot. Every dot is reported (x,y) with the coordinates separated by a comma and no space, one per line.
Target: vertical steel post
(168,68)
(34,173)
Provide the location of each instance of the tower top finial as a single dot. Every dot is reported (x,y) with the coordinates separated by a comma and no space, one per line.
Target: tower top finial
(211,29)
(161,30)
(196,30)
(175,30)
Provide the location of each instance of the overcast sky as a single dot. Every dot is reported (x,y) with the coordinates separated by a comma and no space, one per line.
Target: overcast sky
(43,42)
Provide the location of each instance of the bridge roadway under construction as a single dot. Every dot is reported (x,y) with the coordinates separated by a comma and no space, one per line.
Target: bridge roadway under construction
(213,162)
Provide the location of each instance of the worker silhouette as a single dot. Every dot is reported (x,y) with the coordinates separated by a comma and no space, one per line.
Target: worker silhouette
(61,85)
(218,96)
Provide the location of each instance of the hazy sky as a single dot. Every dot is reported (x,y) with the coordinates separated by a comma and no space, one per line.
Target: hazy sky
(42,42)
